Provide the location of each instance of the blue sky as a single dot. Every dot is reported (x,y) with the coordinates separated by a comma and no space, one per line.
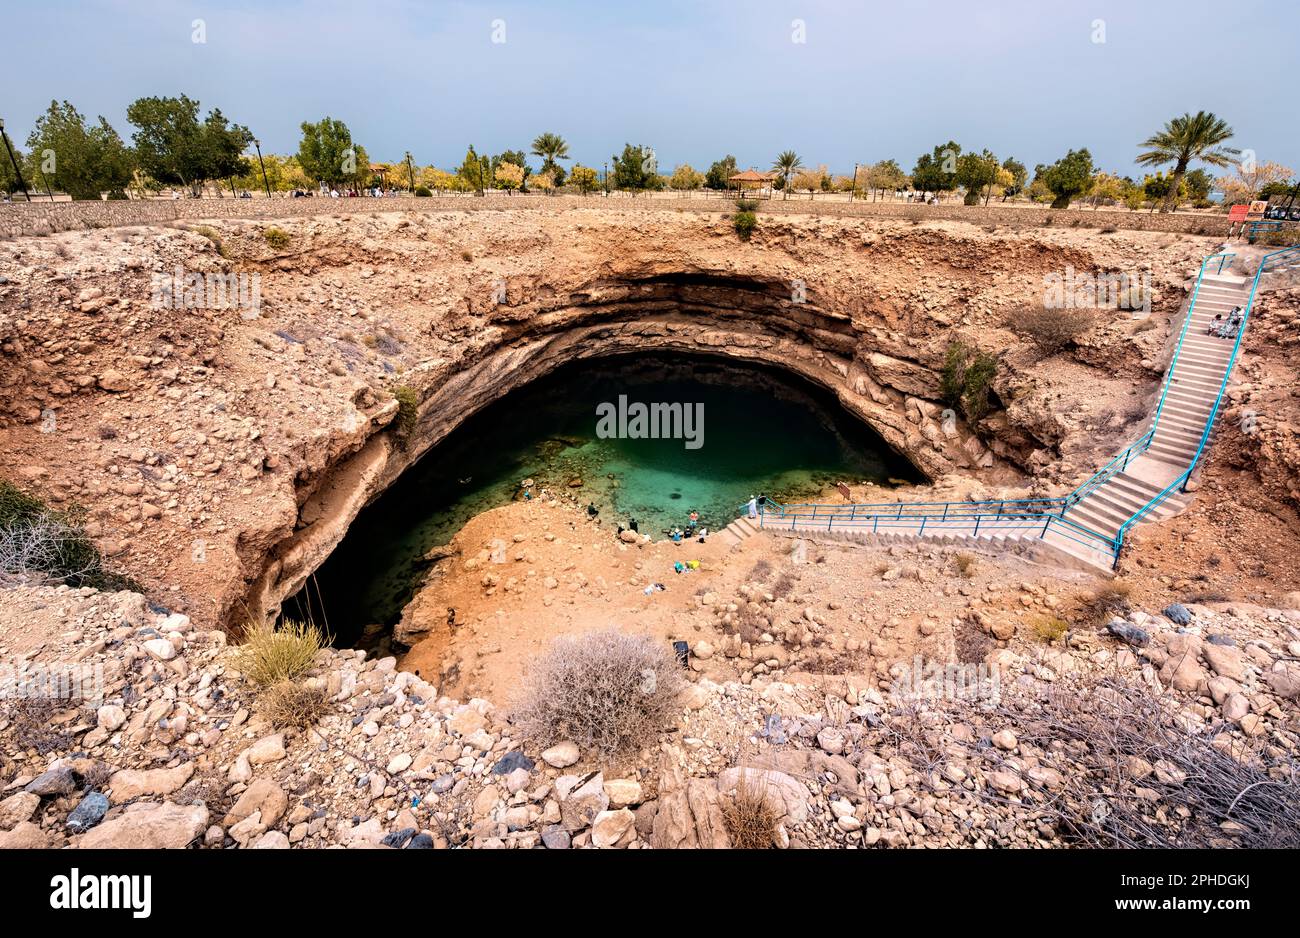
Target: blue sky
(694,80)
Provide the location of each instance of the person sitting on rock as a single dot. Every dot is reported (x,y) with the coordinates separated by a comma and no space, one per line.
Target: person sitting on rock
(592,510)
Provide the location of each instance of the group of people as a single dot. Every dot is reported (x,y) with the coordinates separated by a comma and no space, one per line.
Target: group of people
(692,530)
(1226,328)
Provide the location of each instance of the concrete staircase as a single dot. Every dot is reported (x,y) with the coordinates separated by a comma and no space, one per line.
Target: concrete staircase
(1079,535)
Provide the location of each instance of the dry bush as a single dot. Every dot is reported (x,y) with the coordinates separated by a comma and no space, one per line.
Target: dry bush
(1105,602)
(966,564)
(31,721)
(1053,329)
(270,655)
(783,586)
(971,643)
(760,572)
(607,690)
(288,705)
(749,817)
(1049,628)
(1209,795)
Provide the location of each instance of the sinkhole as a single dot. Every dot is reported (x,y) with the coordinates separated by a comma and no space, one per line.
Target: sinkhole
(751,429)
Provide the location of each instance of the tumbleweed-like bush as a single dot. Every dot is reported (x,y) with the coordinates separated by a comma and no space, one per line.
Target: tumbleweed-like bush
(609,690)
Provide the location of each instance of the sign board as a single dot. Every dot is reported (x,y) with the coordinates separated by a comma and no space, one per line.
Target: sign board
(1257,210)
(1238,212)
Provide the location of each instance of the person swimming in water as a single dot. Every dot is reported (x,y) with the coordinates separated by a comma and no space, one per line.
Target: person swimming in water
(592,510)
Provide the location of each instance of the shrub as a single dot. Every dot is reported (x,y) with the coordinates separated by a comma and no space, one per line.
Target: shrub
(41,545)
(1051,328)
(749,817)
(1050,628)
(288,705)
(968,378)
(408,412)
(745,223)
(211,234)
(966,564)
(423,192)
(270,655)
(747,205)
(607,690)
(276,237)
(1106,601)
(466,256)
(32,724)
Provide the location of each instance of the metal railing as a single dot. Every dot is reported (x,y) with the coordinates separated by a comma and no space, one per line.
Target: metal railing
(1285,257)
(1025,514)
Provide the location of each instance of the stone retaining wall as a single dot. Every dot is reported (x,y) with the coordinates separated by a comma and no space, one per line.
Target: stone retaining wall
(37,218)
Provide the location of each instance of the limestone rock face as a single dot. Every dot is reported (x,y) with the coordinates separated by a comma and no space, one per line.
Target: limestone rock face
(689,814)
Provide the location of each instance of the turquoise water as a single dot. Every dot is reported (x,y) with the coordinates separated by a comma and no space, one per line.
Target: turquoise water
(763,432)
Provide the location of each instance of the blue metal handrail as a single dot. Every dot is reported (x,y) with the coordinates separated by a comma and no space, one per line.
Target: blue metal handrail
(1266,262)
(1169,374)
(1052,511)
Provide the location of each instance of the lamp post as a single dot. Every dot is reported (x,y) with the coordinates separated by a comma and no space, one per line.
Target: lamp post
(410,172)
(607,179)
(265,182)
(12,159)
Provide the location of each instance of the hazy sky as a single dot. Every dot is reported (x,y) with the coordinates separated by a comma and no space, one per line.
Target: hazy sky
(694,80)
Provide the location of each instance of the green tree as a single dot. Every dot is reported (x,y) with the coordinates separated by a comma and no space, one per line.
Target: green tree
(1019,176)
(224,144)
(1159,189)
(584,178)
(1132,195)
(327,153)
(8,178)
(886,176)
(1184,139)
(720,173)
(975,172)
(67,155)
(551,147)
(1198,184)
(170,143)
(787,161)
(1067,178)
(635,169)
(937,171)
(475,171)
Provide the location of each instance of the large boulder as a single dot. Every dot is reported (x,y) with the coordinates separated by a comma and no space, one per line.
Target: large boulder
(788,796)
(145,826)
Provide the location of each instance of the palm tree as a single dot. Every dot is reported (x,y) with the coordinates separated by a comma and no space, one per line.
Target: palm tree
(1187,138)
(786,163)
(550,147)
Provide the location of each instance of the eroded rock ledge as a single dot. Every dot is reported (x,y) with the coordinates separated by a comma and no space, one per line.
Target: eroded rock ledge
(261,438)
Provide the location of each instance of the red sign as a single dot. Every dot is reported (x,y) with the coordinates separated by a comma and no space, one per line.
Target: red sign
(1238,212)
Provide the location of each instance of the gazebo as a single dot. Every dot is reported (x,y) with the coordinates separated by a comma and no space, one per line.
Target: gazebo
(760,183)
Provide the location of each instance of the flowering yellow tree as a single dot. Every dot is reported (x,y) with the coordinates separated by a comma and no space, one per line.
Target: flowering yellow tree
(509,176)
